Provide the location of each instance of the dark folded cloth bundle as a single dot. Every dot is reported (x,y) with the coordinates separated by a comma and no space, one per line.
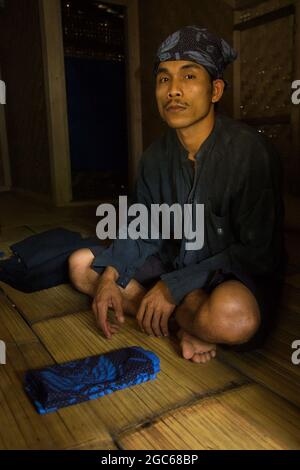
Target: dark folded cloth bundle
(41,261)
(86,379)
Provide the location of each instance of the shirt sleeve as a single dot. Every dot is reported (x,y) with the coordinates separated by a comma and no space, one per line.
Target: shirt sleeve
(256,214)
(126,255)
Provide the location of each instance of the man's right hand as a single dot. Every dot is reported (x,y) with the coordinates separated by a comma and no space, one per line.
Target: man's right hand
(108,295)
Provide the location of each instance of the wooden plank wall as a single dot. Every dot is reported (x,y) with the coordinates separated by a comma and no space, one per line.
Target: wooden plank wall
(22,70)
(2,182)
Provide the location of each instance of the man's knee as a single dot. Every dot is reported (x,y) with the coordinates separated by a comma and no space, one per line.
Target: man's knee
(79,262)
(233,313)
(238,324)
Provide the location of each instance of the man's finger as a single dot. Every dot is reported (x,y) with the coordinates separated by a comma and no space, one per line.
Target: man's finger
(117,305)
(156,320)
(140,314)
(164,320)
(102,308)
(147,320)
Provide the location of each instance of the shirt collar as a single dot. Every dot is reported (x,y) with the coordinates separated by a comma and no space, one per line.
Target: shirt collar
(206,146)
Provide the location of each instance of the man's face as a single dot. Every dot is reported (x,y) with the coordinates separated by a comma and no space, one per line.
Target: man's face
(183,93)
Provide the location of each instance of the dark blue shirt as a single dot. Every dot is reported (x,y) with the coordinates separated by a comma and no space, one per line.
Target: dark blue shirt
(237,176)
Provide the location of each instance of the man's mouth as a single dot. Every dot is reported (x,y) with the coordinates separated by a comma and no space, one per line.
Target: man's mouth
(175,108)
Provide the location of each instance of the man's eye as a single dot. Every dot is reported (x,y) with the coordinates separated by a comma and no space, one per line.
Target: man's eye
(190,76)
(163,79)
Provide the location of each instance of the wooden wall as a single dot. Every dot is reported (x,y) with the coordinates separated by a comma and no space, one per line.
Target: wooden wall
(2,182)
(158,19)
(22,70)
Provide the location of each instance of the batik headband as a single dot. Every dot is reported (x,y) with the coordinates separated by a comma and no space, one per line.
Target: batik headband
(197,45)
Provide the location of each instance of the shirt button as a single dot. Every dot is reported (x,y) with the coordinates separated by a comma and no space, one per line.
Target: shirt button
(220,231)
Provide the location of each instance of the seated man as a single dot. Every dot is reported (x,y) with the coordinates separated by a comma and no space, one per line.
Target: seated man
(225,292)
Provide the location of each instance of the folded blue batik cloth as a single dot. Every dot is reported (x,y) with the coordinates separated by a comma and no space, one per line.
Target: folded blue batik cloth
(86,379)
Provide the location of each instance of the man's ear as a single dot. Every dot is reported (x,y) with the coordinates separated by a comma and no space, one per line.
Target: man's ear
(217,90)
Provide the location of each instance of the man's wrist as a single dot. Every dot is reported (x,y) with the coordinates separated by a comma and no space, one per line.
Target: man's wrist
(110,273)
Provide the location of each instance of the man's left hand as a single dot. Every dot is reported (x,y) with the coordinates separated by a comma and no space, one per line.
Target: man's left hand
(155,310)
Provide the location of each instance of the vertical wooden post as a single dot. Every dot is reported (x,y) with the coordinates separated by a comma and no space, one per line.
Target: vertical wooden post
(4,155)
(295,112)
(56,100)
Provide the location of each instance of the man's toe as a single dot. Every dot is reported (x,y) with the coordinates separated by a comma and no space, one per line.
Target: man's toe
(197,358)
(187,350)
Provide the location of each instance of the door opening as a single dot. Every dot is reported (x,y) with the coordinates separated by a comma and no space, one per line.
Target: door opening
(94,58)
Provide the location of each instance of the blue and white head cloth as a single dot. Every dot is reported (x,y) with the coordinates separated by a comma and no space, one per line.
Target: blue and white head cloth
(197,45)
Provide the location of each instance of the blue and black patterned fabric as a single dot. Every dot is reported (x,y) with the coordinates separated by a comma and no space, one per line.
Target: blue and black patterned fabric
(197,45)
(86,379)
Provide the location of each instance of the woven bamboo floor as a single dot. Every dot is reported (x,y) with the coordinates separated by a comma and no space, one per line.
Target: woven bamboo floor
(237,401)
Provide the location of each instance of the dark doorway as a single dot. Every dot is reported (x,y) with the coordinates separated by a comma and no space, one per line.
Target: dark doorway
(94,52)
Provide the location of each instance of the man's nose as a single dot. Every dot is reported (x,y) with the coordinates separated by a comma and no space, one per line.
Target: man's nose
(174,89)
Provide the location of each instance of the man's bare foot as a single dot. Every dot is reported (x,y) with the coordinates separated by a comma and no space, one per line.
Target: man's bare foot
(195,349)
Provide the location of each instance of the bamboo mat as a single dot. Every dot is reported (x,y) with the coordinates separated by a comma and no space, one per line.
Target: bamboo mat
(14,234)
(95,445)
(272,365)
(18,211)
(15,218)
(22,427)
(13,329)
(249,417)
(190,406)
(47,303)
(291,297)
(179,381)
